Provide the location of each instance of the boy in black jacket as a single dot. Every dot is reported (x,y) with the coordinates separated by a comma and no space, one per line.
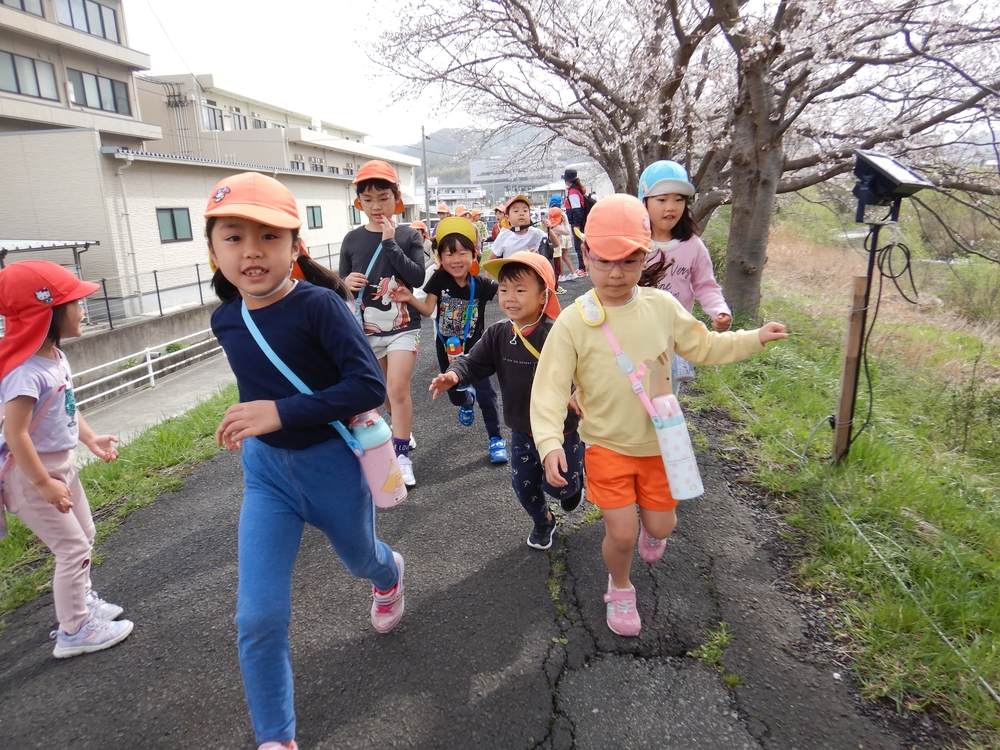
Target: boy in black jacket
(509,349)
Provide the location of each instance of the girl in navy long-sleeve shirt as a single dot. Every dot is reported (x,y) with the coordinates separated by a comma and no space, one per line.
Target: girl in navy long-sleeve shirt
(297,469)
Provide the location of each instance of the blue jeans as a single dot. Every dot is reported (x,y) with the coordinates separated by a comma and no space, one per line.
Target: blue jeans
(487,399)
(284,490)
(527,475)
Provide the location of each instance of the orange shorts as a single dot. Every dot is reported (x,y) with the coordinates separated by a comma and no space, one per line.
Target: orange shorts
(617,481)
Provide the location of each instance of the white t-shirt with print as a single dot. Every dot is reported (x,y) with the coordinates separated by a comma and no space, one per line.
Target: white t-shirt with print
(59,429)
(508,242)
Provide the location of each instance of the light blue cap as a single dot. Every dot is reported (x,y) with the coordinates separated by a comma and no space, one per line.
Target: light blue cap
(662,178)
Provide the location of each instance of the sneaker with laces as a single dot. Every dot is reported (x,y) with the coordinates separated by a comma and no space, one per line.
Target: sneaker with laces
(567,277)
(650,548)
(560,290)
(273,745)
(571,503)
(498,450)
(387,608)
(467,414)
(95,635)
(101,609)
(406,469)
(541,536)
(622,615)
(580,273)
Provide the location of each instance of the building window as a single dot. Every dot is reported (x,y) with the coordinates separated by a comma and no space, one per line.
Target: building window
(276,125)
(316,167)
(175,224)
(355,214)
(349,169)
(239,122)
(28,6)
(22,75)
(259,124)
(334,170)
(88,16)
(300,165)
(314,217)
(98,92)
(213,118)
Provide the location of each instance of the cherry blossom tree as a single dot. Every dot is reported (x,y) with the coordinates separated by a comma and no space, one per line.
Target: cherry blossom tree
(755,99)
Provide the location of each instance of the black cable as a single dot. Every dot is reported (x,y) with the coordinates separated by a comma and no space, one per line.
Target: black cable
(884,263)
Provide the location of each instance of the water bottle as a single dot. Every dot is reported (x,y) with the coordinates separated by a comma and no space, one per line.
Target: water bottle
(676,449)
(453,348)
(379,460)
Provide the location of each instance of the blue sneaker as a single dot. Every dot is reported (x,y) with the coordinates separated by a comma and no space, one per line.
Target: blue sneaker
(467,414)
(498,450)
(95,635)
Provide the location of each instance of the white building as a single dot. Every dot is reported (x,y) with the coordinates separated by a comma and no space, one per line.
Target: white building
(89,150)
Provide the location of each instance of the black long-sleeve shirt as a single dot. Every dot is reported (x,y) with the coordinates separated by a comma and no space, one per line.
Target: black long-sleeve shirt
(501,352)
(401,262)
(313,331)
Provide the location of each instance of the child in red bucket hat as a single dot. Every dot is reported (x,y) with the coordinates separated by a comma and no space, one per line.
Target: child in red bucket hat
(509,349)
(40,302)
(297,468)
(625,472)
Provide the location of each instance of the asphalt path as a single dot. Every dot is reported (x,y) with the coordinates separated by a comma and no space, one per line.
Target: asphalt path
(483,658)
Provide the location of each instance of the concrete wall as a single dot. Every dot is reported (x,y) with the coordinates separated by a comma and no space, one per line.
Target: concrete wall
(97,348)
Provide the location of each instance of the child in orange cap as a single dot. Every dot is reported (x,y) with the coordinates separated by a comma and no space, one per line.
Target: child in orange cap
(458,295)
(374,260)
(290,450)
(624,468)
(509,349)
(42,304)
(521,235)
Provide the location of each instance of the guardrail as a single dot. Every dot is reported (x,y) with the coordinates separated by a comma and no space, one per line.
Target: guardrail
(149,362)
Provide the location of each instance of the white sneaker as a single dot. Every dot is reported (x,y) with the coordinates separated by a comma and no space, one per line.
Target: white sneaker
(95,635)
(387,608)
(406,469)
(413,442)
(567,277)
(101,609)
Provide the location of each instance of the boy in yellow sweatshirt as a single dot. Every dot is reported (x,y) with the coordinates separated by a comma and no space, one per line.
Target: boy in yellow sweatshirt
(623,466)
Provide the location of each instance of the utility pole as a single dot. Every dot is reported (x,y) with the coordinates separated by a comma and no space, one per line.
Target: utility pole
(427,192)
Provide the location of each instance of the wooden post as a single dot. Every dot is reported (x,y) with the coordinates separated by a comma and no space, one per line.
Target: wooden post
(852,368)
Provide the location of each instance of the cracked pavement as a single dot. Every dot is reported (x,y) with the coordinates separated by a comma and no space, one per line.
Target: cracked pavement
(483,658)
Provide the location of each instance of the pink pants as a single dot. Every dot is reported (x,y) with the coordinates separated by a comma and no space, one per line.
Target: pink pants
(70,536)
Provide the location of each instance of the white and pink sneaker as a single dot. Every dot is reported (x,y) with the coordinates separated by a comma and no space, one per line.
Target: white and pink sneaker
(623,617)
(650,548)
(387,608)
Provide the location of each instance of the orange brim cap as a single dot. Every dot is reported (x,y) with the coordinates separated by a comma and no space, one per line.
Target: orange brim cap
(539,265)
(257,197)
(516,199)
(618,226)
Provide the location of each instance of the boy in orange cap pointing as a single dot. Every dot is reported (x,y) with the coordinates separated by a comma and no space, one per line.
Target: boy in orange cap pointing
(509,349)
(375,259)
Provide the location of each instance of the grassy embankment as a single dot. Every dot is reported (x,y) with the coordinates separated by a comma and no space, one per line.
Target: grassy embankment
(154,462)
(920,482)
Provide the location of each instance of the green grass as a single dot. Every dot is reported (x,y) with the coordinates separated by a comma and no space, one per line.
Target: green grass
(921,482)
(714,646)
(154,462)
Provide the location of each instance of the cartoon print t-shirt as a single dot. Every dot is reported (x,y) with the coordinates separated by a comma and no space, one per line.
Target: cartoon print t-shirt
(453,310)
(59,429)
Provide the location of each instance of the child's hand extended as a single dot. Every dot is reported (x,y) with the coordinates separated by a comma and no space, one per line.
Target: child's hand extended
(555,461)
(388,228)
(247,420)
(401,294)
(443,382)
(55,492)
(103,447)
(356,281)
(722,322)
(772,332)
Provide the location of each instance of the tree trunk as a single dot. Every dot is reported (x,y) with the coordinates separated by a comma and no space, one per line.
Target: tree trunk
(758,160)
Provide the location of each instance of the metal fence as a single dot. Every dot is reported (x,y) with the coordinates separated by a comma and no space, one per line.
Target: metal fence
(166,290)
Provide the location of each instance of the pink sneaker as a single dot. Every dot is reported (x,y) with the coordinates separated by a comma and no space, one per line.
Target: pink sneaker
(650,548)
(387,608)
(290,745)
(623,617)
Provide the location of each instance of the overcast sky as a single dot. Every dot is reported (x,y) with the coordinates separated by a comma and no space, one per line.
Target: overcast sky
(303,55)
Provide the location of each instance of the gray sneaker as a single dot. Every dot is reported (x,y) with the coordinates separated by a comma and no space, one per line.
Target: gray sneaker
(101,609)
(95,635)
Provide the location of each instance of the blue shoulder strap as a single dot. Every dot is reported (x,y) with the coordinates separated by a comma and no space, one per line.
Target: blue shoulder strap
(292,377)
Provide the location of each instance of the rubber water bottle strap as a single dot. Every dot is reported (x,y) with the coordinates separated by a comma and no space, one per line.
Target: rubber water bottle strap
(293,378)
